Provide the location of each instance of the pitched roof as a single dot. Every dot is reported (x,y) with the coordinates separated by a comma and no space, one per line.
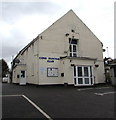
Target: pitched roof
(26,47)
(37,38)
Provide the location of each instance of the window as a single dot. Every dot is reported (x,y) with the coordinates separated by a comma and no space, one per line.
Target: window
(83,75)
(86,71)
(22,74)
(74,70)
(80,81)
(18,76)
(73,47)
(86,80)
(79,71)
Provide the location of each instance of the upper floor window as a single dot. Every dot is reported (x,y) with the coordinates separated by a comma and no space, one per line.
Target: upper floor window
(73,47)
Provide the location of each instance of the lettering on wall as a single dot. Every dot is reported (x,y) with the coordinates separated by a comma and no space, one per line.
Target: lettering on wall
(43,58)
(49,59)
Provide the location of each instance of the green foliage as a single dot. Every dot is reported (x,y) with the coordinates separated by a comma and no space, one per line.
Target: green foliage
(4,67)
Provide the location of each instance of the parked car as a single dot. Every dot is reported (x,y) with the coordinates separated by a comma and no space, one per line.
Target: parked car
(5,79)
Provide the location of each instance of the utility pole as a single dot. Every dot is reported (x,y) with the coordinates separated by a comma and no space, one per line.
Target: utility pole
(11,68)
(107,52)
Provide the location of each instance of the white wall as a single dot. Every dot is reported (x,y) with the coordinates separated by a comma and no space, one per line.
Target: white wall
(53,43)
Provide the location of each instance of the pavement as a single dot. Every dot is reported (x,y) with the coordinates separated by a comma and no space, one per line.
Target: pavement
(56,102)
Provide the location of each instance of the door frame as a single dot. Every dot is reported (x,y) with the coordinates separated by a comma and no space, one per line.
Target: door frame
(22,78)
(83,77)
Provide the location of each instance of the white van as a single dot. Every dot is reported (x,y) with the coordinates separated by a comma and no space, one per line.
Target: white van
(5,79)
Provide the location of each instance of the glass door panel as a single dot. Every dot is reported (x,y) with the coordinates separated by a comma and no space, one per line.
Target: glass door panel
(80,72)
(86,72)
(80,80)
(87,81)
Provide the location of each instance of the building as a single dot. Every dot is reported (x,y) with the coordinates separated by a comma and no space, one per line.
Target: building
(107,62)
(65,53)
(110,70)
(113,72)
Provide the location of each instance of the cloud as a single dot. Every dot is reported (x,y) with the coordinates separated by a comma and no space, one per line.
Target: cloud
(12,44)
(5,29)
(8,51)
(32,25)
(23,21)
(12,11)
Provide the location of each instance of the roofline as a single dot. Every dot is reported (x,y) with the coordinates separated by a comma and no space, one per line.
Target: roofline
(87,27)
(28,45)
(23,50)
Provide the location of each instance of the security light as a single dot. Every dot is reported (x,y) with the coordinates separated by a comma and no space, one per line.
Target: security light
(67,34)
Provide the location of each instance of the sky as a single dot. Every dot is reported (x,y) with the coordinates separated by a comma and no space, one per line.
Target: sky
(22,21)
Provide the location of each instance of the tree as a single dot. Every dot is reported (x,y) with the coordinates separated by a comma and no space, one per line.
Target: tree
(4,67)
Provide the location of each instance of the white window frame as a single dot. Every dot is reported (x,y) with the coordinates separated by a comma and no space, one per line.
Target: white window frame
(76,77)
(73,53)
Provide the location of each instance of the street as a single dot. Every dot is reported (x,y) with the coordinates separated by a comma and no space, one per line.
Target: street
(51,102)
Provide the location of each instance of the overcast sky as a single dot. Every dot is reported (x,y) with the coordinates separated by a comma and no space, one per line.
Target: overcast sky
(21,22)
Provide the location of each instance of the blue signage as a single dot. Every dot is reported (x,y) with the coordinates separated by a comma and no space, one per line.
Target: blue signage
(42,57)
(49,58)
(50,61)
(53,58)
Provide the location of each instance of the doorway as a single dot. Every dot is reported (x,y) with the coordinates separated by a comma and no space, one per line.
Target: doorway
(83,75)
(22,77)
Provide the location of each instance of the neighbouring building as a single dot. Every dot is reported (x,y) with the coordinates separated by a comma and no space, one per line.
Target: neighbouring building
(67,52)
(107,66)
(110,70)
(113,72)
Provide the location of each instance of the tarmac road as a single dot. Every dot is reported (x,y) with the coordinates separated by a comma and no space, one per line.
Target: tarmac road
(52,102)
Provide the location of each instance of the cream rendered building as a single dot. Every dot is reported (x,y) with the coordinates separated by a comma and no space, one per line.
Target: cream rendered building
(66,52)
